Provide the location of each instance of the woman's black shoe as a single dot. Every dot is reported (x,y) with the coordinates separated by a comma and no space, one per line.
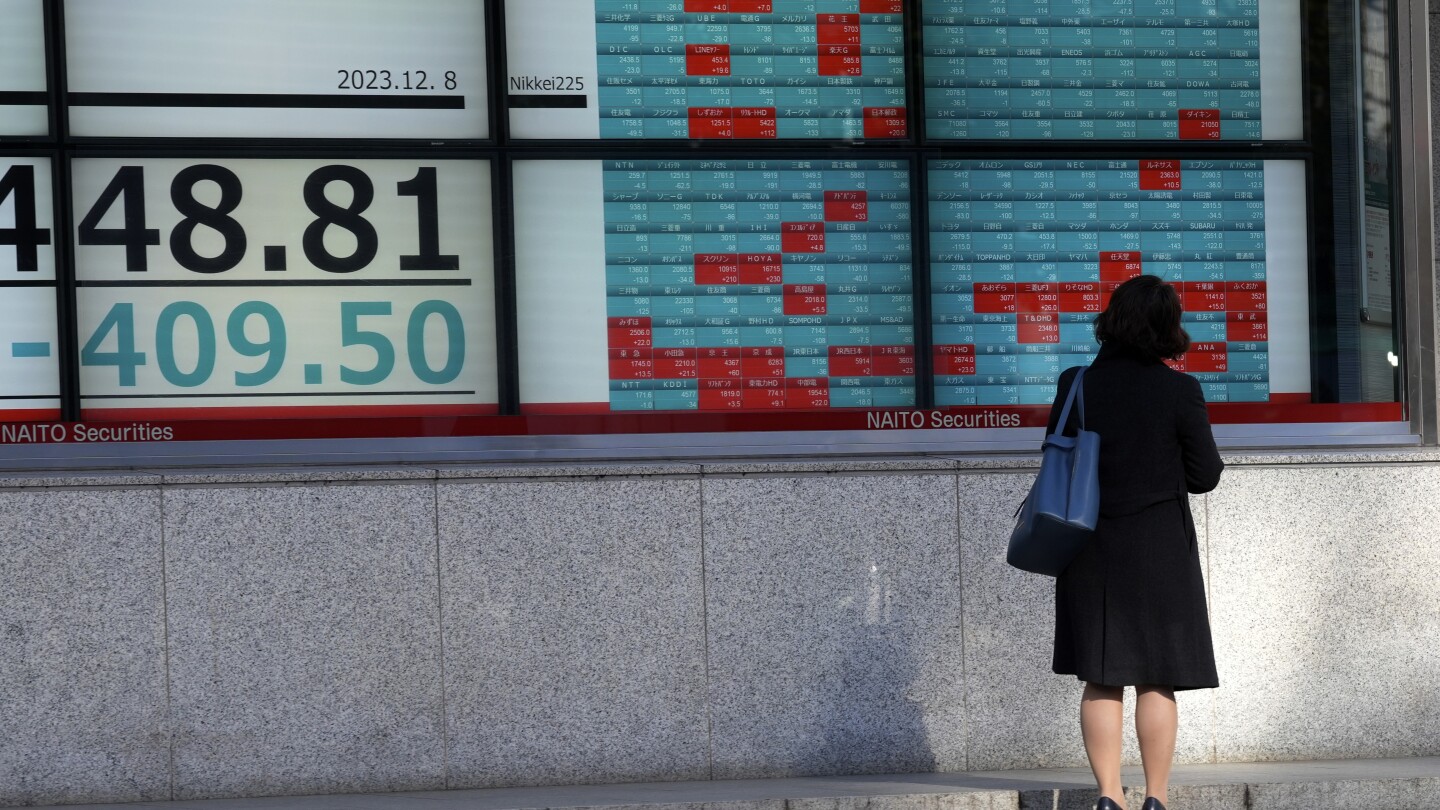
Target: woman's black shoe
(1152,803)
(1106,803)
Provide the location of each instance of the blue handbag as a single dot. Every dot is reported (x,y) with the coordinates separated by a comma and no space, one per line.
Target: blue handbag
(1057,518)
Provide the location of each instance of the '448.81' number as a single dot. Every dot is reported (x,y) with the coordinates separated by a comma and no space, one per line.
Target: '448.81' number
(127,188)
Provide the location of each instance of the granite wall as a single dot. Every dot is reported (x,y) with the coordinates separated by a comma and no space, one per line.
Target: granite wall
(258,633)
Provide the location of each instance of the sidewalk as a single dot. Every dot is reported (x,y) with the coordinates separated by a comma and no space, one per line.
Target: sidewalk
(1376,784)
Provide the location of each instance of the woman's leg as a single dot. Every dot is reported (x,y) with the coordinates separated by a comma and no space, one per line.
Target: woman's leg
(1102,713)
(1156,722)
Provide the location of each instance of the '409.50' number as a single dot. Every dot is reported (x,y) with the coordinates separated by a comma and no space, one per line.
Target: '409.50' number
(126,358)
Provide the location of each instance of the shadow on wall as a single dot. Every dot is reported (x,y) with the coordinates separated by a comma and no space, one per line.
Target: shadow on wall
(869,723)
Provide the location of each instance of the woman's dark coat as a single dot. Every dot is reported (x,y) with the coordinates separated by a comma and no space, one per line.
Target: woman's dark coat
(1131,608)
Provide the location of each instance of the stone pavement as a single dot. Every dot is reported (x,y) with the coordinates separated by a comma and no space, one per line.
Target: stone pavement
(1375,784)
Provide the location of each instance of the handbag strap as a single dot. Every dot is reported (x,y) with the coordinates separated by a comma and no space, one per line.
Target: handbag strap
(1070,398)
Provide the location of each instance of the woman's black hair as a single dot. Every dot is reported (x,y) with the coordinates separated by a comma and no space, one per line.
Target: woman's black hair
(1144,318)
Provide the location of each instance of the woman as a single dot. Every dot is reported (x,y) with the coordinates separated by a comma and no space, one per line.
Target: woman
(1130,610)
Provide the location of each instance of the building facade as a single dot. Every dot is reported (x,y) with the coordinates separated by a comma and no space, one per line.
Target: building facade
(471,394)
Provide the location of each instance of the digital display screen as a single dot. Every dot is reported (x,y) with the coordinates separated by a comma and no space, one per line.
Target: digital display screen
(1176,70)
(706,69)
(277,69)
(254,288)
(714,285)
(24,103)
(29,337)
(1025,253)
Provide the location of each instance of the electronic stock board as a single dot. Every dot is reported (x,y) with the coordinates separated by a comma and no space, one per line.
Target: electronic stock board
(760,70)
(715,285)
(1175,70)
(788,284)
(1025,253)
(774,279)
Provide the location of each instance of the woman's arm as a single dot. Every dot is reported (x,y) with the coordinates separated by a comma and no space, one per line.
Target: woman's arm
(1197,442)
(1062,389)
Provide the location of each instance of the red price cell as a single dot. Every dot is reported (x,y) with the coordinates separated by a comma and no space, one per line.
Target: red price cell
(882,6)
(707,6)
(707,60)
(847,206)
(756,122)
(802,237)
(1207,357)
(850,361)
(805,299)
(677,368)
(628,333)
(721,399)
(1119,266)
(712,122)
(752,7)
(717,268)
(761,268)
(994,297)
(1246,327)
(837,29)
(1159,175)
(1038,328)
(807,392)
(850,367)
(885,122)
(1245,299)
(720,368)
(762,367)
(892,361)
(954,358)
(764,398)
(632,369)
(1199,125)
(1203,296)
(892,366)
(1037,297)
(1079,296)
(840,60)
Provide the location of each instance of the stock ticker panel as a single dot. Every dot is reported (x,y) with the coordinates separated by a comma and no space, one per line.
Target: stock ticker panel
(759,284)
(751,69)
(1025,253)
(1092,69)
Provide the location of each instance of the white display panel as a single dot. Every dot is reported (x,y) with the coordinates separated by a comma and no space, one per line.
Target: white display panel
(23,103)
(277,69)
(273,284)
(29,337)
(1282,92)
(1288,259)
(560,283)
